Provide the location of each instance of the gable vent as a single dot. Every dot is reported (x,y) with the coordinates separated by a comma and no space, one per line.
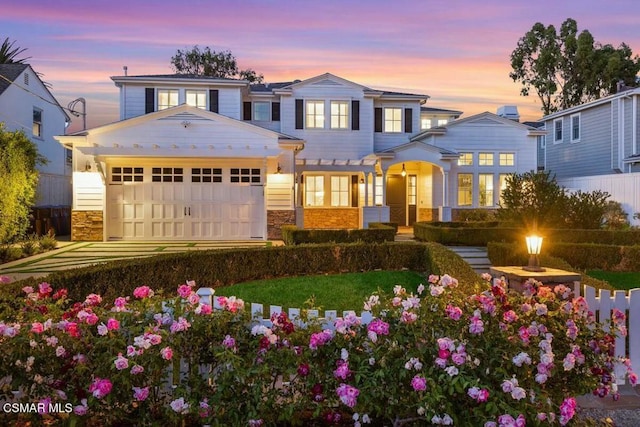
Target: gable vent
(26,79)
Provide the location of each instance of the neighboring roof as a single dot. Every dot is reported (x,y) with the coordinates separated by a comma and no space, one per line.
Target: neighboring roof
(440,111)
(268,87)
(628,92)
(536,125)
(10,72)
(193,78)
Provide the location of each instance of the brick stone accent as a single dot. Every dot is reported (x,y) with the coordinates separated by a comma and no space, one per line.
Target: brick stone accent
(276,219)
(87,226)
(428,214)
(332,218)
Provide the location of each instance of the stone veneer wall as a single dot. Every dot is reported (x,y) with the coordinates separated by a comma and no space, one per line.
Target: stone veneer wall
(275,221)
(332,218)
(87,226)
(428,214)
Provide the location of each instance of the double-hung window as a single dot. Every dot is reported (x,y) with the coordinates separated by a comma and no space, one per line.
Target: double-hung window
(442,122)
(339,114)
(315,114)
(557,131)
(37,122)
(393,120)
(197,98)
(425,124)
(507,159)
(167,98)
(339,191)
(261,111)
(314,190)
(575,128)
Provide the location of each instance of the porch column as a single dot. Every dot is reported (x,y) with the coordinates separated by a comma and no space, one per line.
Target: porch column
(366,188)
(445,188)
(384,188)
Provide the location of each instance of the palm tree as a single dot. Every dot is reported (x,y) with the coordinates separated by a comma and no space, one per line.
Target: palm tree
(8,53)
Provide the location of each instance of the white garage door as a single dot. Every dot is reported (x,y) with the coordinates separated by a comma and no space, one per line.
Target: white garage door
(185,203)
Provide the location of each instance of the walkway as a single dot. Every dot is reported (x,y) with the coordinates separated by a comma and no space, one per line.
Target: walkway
(81,254)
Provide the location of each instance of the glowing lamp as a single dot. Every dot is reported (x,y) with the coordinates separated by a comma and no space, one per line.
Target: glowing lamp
(404,171)
(534,244)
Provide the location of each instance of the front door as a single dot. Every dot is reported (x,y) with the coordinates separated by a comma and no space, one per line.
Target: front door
(397,199)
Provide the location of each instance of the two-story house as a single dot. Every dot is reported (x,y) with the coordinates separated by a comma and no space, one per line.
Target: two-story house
(596,146)
(204,158)
(26,104)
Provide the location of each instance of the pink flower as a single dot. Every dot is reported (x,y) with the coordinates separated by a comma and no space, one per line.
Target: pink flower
(453,312)
(166,353)
(510,316)
(379,327)
(229,342)
(93,299)
(180,325)
(44,289)
(320,338)
(142,292)
(113,324)
(203,309)
(102,329)
(119,304)
(567,410)
(137,369)
(303,369)
(100,387)
(140,393)
(348,394)
(419,383)
(184,291)
(342,371)
(408,317)
(37,327)
(121,362)
(81,409)
(180,406)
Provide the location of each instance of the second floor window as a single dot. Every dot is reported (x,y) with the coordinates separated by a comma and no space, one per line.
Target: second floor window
(442,122)
(575,128)
(557,130)
(167,98)
(37,122)
(197,98)
(315,114)
(485,159)
(339,114)
(465,159)
(425,124)
(393,119)
(262,111)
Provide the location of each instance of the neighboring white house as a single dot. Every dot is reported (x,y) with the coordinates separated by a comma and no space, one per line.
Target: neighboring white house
(27,104)
(204,158)
(596,146)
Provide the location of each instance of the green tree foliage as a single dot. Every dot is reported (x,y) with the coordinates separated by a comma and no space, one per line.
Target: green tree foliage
(18,160)
(207,62)
(569,67)
(9,54)
(536,200)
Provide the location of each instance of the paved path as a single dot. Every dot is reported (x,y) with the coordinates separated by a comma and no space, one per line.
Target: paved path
(81,254)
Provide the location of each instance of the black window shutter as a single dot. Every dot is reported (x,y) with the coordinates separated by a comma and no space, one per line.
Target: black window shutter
(149,100)
(355,115)
(299,114)
(247,110)
(354,191)
(275,111)
(378,120)
(213,100)
(408,120)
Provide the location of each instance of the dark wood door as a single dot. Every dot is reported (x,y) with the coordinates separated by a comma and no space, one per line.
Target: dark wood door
(397,199)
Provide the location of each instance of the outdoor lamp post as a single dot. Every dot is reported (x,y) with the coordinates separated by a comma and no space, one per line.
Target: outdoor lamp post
(534,244)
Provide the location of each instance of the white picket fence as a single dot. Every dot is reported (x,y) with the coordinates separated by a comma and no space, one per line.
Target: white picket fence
(602,302)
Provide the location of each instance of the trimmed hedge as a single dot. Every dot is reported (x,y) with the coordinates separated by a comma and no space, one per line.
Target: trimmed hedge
(292,235)
(516,254)
(218,268)
(481,233)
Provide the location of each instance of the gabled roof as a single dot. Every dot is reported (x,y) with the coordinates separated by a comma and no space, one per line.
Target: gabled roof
(440,111)
(10,72)
(581,107)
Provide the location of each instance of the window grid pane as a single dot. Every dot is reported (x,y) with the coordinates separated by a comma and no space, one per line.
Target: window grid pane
(465,189)
(167,98)
(315,114)
(393,120)
(261,111)
(485,189)
(507,159)
(339,114)
(197,98)
(485,159)
(465,159)
(314,190)
(339,191)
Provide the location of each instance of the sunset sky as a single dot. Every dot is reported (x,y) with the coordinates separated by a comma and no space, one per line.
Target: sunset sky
(455,51)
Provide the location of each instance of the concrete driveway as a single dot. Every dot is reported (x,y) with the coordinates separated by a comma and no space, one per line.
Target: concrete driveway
(80,254)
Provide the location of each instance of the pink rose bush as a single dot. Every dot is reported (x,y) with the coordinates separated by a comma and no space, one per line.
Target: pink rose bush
(447,353)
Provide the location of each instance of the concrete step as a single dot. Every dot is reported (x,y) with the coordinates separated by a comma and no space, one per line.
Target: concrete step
(475,256)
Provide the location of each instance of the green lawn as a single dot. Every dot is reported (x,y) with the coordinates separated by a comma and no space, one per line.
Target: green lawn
(618,279)
(330,292)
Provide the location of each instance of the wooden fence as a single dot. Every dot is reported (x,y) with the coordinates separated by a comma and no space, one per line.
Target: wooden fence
(600,301)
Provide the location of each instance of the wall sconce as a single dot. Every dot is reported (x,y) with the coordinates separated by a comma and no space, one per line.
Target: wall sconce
(185,123)
(404,171)
(534,244)
(279,169)
(87,166)
(361,180)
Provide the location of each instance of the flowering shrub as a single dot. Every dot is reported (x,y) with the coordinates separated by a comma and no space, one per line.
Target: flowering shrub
(436,356)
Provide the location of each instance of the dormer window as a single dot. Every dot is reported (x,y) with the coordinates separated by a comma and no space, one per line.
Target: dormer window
(315,115)
(167,98)
(339,114)
(261,111)
(393,120)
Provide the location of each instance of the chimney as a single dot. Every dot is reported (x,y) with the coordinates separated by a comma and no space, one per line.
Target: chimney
(509,112)
(125,70)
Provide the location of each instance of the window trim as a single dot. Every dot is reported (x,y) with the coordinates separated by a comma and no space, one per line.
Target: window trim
(339,191)
(169,91)
(393,121)
(339,116)
(458,189)
(512,157)
(571,118)
(315,115)
(557,140)
(314,192)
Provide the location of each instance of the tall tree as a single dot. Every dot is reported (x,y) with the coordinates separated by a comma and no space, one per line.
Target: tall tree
(207,62)
(9,54)
(568,67)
